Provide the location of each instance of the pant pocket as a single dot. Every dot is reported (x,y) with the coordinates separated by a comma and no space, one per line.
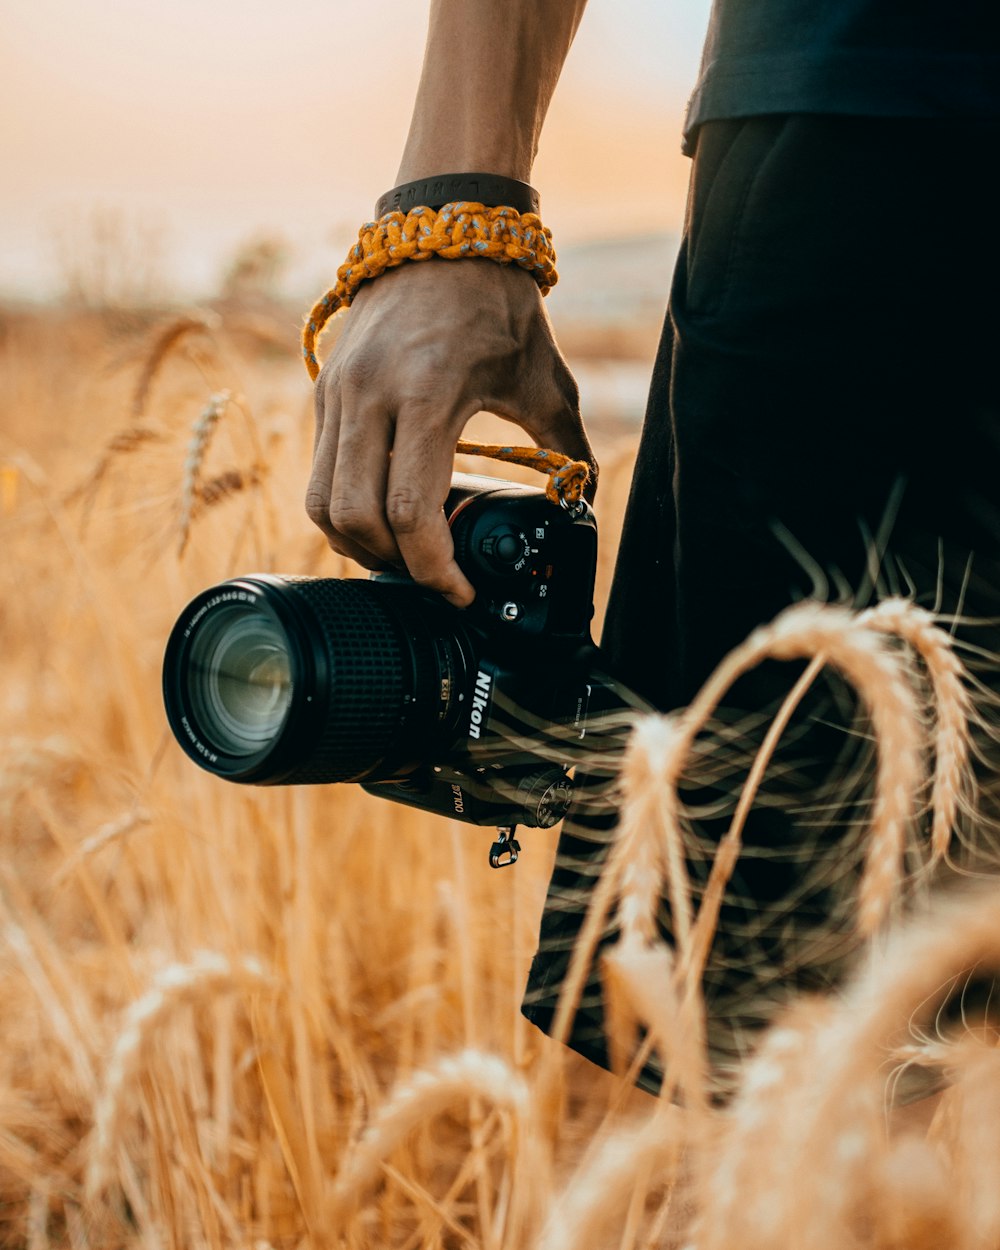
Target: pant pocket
(727,164)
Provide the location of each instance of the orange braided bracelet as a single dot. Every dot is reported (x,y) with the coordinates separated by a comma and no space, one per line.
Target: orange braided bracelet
(461,229)
(455,231)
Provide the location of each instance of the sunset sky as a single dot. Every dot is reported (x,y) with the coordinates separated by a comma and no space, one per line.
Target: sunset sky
(204,122)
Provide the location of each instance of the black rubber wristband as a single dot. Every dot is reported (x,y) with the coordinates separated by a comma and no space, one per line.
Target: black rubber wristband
(489,189)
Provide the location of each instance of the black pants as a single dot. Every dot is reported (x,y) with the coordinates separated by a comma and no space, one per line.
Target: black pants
(828,386)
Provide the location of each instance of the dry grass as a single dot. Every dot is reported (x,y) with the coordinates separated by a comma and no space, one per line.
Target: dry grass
(240,1018)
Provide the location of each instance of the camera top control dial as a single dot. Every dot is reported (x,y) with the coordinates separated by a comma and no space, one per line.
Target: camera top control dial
(505,549)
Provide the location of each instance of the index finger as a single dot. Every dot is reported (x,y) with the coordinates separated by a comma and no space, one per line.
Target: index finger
(419,481)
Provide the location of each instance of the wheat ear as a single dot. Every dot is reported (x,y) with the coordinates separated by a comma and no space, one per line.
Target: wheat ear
(952,707)
(651,811)
(208,975)
(201,437)
(838,1095)
(646,841)
(122,443)
(971,1141)
(639,968)
(806,631)
(911,1201)
(169,336)
(23,760)
(224,485)
(109,832)
(756,1132)
(580,1216)
(650,843)
(469,1074)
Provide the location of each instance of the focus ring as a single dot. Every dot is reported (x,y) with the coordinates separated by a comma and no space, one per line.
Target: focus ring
(368,678)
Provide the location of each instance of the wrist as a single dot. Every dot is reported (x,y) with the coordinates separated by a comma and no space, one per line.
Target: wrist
(435,191)
(442,152)
(421,160)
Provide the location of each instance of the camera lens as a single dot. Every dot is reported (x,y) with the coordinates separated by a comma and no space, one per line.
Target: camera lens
(239,679)
(282,679)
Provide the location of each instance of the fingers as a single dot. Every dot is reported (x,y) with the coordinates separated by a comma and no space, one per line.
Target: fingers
(418,484)
(379,483)
(377,489)
(345,453)
(358,487)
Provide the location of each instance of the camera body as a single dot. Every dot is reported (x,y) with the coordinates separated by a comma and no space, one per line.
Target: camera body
(475,714)
(528,682)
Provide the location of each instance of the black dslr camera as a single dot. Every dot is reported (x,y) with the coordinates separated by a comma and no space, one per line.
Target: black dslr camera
(476,714)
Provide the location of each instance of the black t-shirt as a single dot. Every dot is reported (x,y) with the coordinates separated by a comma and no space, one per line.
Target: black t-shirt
(884,58)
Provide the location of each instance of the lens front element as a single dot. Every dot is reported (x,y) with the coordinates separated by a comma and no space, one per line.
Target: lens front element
(239,679)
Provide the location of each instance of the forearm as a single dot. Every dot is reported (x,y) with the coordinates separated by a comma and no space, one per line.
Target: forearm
(490,69)
(428,346)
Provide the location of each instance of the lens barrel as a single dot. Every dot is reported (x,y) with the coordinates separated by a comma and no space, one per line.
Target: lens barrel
(288,680)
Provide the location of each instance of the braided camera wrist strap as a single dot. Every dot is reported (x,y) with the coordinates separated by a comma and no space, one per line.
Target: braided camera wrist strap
(457,231)
(567,477)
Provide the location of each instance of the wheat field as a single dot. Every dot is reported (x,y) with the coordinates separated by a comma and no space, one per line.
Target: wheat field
(240,1017)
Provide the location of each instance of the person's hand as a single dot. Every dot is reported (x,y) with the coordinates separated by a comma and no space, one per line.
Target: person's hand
(425,347)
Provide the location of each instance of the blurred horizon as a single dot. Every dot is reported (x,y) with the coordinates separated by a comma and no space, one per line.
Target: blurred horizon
(174,137)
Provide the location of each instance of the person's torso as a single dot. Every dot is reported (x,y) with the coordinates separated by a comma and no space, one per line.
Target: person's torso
(887,58)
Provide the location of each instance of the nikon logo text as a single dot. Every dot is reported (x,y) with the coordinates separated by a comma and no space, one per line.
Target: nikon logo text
(480,699)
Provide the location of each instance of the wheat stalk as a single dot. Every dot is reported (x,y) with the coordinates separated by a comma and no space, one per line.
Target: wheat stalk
(728,850)
(38,1219)
(207,976)
(68,1017)
(10,478)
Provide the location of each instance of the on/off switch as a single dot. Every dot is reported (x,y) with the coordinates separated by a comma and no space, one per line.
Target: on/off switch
(505,549)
